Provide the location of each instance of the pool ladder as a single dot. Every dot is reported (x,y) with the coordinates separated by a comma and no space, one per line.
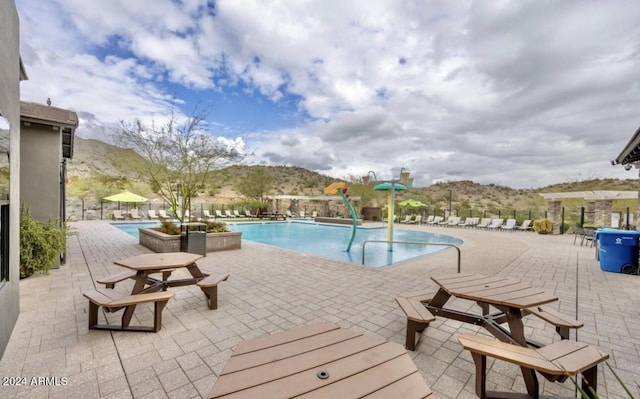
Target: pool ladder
(364,245)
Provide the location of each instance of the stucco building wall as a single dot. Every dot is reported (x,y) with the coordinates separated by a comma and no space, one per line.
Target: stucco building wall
(10,75)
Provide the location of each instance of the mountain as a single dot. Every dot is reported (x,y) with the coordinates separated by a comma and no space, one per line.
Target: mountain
(101,162)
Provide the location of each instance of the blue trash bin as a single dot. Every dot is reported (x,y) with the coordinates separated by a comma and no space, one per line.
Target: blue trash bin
(618,250)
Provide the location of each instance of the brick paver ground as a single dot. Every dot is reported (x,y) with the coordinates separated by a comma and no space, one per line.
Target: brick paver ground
(272,289)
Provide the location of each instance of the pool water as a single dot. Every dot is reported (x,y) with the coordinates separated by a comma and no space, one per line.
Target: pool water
(331,241)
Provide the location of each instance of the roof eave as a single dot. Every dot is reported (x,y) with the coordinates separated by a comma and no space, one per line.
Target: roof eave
(633,144)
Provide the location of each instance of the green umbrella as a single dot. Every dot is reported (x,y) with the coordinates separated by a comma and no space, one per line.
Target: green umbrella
(126,196)
(411,203)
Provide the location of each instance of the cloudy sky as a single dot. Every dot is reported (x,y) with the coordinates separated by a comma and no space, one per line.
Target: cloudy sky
(516,93)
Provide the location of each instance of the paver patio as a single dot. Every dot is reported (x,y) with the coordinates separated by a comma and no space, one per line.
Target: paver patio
(272,289)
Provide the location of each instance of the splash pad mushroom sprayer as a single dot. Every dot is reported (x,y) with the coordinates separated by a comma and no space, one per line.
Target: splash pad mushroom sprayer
(340,188)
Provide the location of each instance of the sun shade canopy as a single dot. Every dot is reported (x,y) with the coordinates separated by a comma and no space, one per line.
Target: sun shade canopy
(125,196)
(411,203)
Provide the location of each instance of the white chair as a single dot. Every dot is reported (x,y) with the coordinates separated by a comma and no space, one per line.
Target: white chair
(151,214)
(117,215)
(228,214)
(236,214)
(133,214)
(163,214)
(509,225)
(206,214)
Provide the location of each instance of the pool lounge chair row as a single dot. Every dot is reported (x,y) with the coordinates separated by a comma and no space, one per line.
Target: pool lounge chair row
(479,223)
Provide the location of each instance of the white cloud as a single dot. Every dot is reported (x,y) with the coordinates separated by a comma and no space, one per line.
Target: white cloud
(520,93)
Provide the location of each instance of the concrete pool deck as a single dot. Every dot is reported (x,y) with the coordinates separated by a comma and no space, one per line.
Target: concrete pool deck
(273,289)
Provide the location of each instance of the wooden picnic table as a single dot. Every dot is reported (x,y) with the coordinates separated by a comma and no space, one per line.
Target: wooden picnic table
(509,296)
(146,264)
(272,216)
(320,361)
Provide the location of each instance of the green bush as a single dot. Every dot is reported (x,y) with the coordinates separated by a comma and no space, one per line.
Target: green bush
(40,243)
(168,227)
(216,227)
(543,226)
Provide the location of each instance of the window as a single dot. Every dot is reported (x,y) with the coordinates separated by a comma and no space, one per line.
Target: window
(4,244)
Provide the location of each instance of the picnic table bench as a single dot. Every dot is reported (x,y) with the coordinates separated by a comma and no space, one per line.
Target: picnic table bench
(560,359)
(209,285)
(112,303)
(418,317)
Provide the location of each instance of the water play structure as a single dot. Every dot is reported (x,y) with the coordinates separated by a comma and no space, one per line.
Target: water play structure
(340,188)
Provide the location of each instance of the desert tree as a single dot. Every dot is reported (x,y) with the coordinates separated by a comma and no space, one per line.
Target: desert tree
(256,185)
(180,155)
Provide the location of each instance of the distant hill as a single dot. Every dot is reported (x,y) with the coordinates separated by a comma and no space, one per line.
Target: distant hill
(105,163)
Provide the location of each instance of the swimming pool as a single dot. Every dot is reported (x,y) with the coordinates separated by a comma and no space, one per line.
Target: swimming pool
(330,241)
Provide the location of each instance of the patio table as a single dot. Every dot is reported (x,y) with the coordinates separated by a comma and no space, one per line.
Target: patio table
(507,295)
(320,361)
(147,264)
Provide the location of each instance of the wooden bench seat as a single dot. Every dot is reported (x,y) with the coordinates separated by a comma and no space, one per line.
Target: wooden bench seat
(562,322)
(209,285)
(111,280)
(418,317)
(113,303)
(564,358)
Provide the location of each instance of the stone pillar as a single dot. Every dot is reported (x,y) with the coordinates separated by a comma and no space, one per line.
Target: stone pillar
(555,214)
(603,213)
(590,214)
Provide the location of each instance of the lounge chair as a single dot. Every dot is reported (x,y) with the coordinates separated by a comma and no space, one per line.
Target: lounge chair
(248,214)
(303,214)
(236,214)
(117,215)
(314,214)
(429,219)
(228,214)
(289,214)
(495,224)
(436,220)
(163,214)
(151,214)
(443,222)
(526,225)
(453,221)
(206,214)
(407,219)
(219,214)
(133,214)
(484,223)
(510,225)
(417,220)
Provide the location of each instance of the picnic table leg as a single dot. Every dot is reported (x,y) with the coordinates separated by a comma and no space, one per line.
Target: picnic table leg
(141,281)
(590,379)
(195,271)
(516,327)
(128,314)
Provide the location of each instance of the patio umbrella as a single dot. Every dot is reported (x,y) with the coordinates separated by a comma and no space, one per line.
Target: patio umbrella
(125,196)
(411,203)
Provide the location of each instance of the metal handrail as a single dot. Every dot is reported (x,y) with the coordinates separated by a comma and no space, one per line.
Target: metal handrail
(364,244)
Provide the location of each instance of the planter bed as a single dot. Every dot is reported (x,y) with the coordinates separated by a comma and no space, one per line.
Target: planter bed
(160,242)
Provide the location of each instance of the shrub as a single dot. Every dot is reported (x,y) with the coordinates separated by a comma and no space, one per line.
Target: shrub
(168,227)
(216,227)
(40,243)
(543,226)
